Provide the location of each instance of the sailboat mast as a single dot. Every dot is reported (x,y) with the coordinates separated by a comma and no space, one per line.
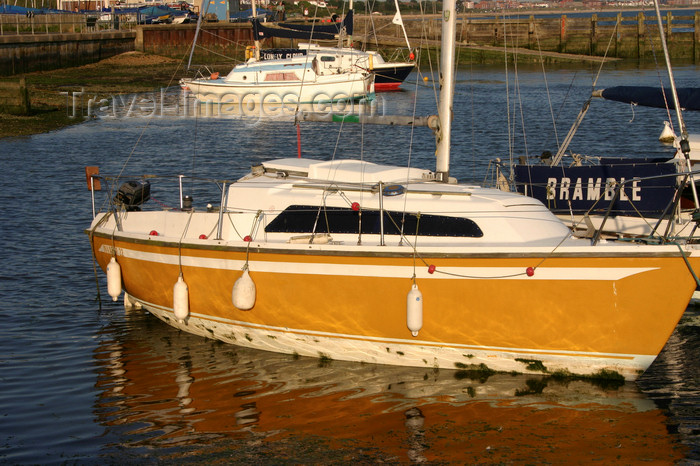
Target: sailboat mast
(256,42)
(202,12)
(684,144)
(447,81)
(349,39)
(679,115)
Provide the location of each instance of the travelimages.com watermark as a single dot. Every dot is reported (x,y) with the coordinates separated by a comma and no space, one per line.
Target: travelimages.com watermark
(169,103)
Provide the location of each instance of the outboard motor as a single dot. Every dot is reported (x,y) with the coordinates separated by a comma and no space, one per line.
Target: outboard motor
(132,194)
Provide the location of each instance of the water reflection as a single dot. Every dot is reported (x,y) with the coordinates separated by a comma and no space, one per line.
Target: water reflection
(673,381)
(173,102)
(216,401)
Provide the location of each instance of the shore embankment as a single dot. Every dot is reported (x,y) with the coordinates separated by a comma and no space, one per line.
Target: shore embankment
(52,92)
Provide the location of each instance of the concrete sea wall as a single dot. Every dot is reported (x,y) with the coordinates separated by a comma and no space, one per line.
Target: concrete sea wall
(24,53)
(635,37)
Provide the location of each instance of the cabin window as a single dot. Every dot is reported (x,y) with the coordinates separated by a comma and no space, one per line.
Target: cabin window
(327,58)
(281,76)
(301,219)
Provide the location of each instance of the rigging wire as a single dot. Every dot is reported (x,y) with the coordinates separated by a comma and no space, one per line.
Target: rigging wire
(658,73)
(306,64)
(424,37)
(148,122)
(518,92)
(546,86)
(507,83)
(584,109)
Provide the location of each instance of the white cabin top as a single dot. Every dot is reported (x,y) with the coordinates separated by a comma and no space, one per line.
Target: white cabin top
(347,171)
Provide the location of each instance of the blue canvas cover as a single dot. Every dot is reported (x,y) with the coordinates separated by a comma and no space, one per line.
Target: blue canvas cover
(19,10)
(247,15)
(647,96)
(590,188)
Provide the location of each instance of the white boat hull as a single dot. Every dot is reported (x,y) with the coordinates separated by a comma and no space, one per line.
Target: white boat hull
(288,81)
(343,90)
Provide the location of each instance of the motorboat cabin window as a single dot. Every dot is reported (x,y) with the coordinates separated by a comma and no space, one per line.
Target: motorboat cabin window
(302,219)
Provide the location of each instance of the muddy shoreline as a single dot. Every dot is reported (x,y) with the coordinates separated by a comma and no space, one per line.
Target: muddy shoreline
(51,92)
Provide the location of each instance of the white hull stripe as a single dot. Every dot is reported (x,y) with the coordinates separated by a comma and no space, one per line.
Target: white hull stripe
(387,271)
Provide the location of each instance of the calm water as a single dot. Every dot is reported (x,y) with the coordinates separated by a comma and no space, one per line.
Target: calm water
(84,381)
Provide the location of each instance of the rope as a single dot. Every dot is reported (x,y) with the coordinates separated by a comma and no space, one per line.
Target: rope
(546,86)
(415,250)
(179,244)
(656,66)
(452,274)
(218,54)
(94,258)
(252,230)
(632,105)
(148,122)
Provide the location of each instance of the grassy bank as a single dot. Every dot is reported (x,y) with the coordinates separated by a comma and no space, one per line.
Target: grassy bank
(50,91)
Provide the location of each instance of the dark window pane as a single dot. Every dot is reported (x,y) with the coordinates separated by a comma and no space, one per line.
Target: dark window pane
(301,219)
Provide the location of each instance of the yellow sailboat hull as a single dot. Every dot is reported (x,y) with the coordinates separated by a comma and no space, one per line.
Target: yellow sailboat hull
(576,313)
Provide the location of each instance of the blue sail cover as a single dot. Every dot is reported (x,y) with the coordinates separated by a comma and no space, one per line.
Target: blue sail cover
(591,188)
(688,97)
(303,31)
(332,28)
(261,32)
(245,15)
(19,10)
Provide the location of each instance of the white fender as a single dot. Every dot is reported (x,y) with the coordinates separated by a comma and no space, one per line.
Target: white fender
(114,279)
(667,134)
(243,294)
(130,303)
(414,310)
(181,300)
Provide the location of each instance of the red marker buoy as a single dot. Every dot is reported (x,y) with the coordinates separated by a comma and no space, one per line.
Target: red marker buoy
(431,268)
(247,239)
(530,271)
(153,233)
(202,236)
(355,206)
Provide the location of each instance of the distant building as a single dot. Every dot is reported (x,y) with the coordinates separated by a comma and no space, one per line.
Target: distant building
(81,5)
(486,5)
